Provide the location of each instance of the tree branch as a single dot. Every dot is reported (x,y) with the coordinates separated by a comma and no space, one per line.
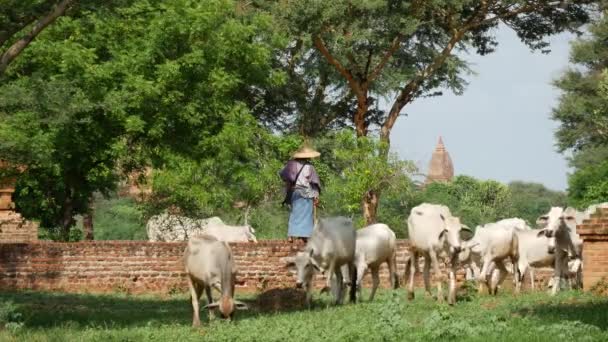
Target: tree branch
(387,56)
(14,50)
(407,93)
(320,45)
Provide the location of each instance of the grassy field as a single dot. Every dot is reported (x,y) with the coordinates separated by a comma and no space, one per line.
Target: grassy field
(36,316)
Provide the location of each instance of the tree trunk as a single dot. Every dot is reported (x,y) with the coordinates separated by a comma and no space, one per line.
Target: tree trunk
(87,225)
(370,206)
(360,115)
(68,219)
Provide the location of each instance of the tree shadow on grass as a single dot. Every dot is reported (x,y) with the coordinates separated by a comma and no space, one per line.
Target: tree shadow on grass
(591,313)
(46,309)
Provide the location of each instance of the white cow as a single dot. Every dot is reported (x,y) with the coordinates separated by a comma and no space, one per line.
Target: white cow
(534,251)
(472,254)
(376,244)
(224,232)
(433,231)
(331,245)
(559,226)
(494,243)
(209,263)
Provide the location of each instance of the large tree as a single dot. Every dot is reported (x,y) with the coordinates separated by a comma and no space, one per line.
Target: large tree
(141,84)
(404,50)
(582,113)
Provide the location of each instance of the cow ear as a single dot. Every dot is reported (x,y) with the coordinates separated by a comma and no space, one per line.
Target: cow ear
(542,221)
(290,262)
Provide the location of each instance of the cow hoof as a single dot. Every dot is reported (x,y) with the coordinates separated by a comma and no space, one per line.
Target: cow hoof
(410,295)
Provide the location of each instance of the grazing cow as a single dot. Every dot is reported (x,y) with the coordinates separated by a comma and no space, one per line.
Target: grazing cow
(224,232)
(559,226)
(208,264)
(433,231)
(331,245)
(376,244)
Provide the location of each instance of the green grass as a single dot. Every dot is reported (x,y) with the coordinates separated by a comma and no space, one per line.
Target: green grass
(530,317)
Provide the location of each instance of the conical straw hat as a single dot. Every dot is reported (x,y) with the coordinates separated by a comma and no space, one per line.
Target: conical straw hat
(305,153)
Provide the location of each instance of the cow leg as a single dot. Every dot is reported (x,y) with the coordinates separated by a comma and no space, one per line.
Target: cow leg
(375,270)
(557,275)
(194,296)
(437,272)
(361,268)
(354,273)
(392,262)
(578,274)
(452,281)
(485,274)
(426,274)
(532,280)
(209,301)
(412,272)
(521,273)
(338,286)
(502,274)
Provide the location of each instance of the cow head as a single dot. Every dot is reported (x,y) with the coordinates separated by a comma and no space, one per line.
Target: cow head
(226,306)
(451,232)
(305,268)
(557,222)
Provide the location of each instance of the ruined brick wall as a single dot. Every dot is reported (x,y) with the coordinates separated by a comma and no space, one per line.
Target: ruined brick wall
(146,267)
(14,228)
(594,233)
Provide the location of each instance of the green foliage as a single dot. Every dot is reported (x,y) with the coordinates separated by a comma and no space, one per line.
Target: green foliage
(118,219)
(583,107)
(475,202)
(143,82)
(589,185)
(531,200)
(361,167)
(11,318)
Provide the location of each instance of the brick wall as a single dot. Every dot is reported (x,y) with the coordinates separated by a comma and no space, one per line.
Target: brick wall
(594,233)
(142,267)
(14,228)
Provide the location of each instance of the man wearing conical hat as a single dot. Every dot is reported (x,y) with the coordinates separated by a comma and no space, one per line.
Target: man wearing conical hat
(303,188)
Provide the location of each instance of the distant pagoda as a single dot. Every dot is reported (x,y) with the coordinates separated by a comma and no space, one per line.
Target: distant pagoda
(441,168)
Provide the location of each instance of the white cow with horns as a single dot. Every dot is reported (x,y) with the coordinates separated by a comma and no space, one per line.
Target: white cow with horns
(433,232)
(209,264)
(331,245)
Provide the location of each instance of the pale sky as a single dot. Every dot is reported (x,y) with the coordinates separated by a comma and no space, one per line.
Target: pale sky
(500,128)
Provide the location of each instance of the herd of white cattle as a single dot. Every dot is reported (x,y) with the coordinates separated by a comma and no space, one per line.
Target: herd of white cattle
(343,254)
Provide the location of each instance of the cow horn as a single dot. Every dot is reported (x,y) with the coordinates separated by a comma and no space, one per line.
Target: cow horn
(211,305)
(240,305)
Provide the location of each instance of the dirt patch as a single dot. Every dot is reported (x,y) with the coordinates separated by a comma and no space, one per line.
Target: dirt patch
(490,305)
(285,299)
